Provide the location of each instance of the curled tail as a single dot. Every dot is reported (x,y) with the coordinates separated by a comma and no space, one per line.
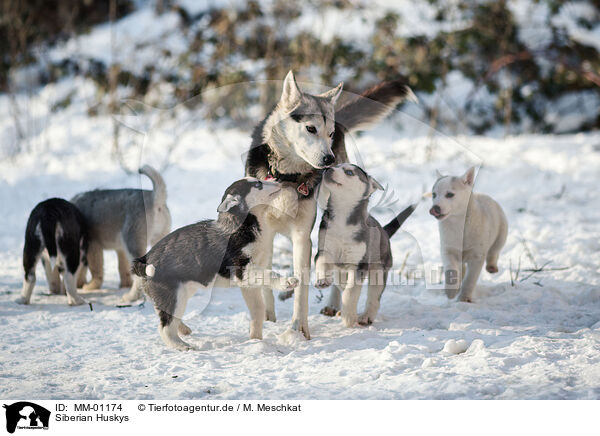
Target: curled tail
(140,268)
(373,105)
(393,226)
(158,183)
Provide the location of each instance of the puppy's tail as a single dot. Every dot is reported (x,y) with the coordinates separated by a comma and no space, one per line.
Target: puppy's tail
(158,183)
(140,268)
(393,226)
(50,231)
(373,105)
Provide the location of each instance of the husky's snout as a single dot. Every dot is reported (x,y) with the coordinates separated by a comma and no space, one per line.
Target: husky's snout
(328,160)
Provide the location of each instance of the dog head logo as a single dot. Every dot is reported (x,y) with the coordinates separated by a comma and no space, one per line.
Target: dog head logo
(25,415)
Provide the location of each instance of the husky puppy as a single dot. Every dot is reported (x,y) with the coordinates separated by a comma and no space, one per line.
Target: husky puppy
(124,220)
(473,230)
(56,232)
(211,253)
(302,135)
(352,244)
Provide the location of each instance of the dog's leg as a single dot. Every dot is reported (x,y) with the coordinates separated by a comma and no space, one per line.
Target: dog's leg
(256,306)
(350,298)
(322,270)
(494,251)
(376,286)
(452,272)
(265,260)
(169,330)
(135,292)
(468,284)
(81,277)
(124,269)
(95,258)
(52,275)
(302,246)
(334,303)
(28,284)
(171,324)
(31,255)
(73,298)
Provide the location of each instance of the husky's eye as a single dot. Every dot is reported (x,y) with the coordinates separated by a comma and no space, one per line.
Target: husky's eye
(433,195)
(311,129)
(449,195)
(331,135)
(258,185)
(348,173)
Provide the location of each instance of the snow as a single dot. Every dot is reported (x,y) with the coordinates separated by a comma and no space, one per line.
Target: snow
(536,339)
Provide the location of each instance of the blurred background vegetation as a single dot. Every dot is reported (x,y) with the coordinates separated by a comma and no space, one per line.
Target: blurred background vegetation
(521,66)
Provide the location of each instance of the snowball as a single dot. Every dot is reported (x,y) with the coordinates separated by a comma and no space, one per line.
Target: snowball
(455,347)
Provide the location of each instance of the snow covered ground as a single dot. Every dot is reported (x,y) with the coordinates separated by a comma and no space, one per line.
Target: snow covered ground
(537,339)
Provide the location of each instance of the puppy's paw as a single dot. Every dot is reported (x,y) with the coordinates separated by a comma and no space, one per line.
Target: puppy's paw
(364,319)
(75,301)
(492,269)
(291,283)
(130,297)
(93,285)
(184,346)
(301,326)
(270,316)
(329,311)
(285,295)
(323,283)
(22,300)
(465,299)
(184,329)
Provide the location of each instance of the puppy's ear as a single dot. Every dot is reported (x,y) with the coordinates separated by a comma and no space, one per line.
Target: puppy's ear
(229,203)
(291,93)
(438,175)
(333,94)
(374,185)
(469,177)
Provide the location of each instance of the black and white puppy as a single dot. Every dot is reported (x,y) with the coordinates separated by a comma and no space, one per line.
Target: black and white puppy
(56,232)
(352,244)
(221,254)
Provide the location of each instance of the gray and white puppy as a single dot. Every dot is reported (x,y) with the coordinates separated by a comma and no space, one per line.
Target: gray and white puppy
(352,244)
(220,254)
(473,230)
(124,220)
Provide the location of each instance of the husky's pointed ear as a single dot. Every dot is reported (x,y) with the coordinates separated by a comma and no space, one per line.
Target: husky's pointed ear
(438,175)
(333,94)
(229,202)
(291,93)
(374,185)
(469,177)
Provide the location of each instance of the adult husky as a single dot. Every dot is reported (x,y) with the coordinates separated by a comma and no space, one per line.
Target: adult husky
(301,136)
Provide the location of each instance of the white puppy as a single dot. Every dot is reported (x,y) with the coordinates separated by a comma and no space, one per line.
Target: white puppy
(473,230)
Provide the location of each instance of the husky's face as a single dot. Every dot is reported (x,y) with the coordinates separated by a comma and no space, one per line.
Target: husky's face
(451,195)
(309,123)
(247,195)
(349,183)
